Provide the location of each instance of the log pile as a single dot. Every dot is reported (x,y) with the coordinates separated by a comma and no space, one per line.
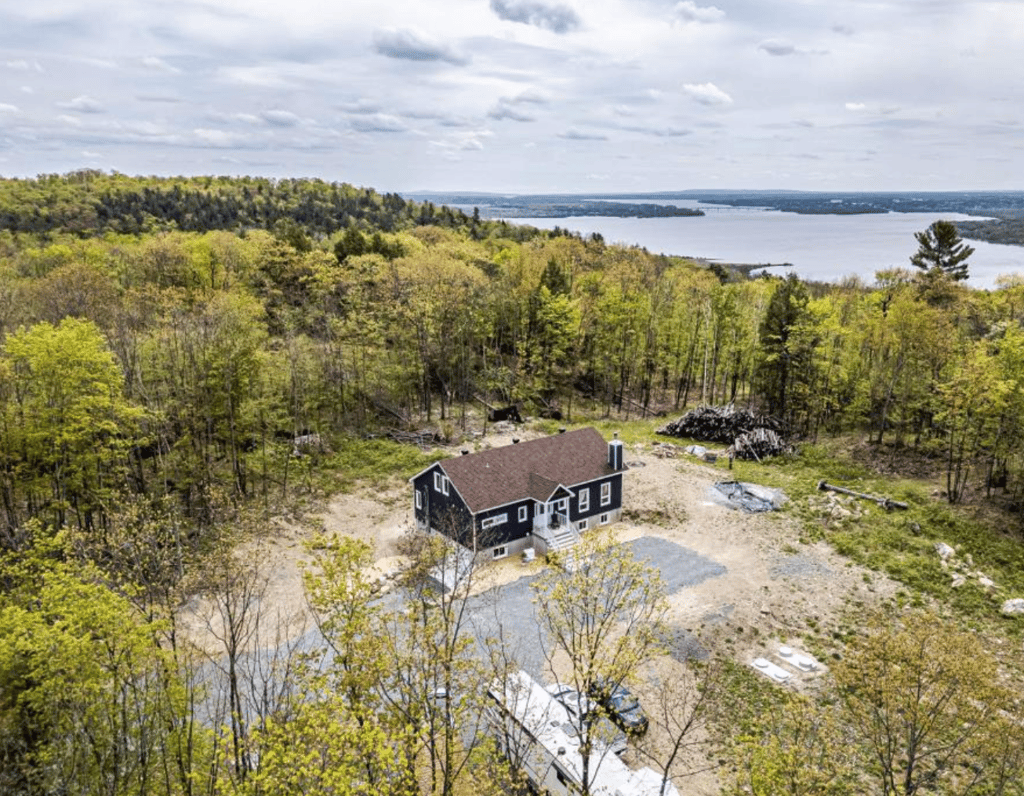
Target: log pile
(719,424)
(761,443)
(749,435)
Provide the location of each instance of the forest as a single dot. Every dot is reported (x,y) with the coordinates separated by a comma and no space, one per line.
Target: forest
(180,358)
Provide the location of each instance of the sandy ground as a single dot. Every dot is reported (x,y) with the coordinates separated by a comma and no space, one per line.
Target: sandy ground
(774,590)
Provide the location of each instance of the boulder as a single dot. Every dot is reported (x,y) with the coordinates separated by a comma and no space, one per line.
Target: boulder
(1013,607)
(944,550)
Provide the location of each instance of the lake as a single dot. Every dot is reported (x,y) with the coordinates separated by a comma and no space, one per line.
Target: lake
(820,247)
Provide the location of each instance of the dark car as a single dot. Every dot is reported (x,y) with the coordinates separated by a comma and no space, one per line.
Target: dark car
(623,708)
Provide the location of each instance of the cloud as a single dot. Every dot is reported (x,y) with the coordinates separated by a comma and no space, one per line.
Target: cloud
(412,46)
(280,118)
(378,123)
(856,106)
(557,18)
(361,107)
(510,107)
(507,110)
(160,65)
(777,47)
(572,134)
(707,94)
(688,11)
(215,138)
(83,104)
(843,30)
(5,108)
(781,48)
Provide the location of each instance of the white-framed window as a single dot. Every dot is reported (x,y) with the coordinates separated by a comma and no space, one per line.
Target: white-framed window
(490,522)
(562,505)
(438,478)
(582,525)
(499,552)
(605,518)
(444,484)
(606,493)
(419,499)
(584,503)
(542,509)
(523,513)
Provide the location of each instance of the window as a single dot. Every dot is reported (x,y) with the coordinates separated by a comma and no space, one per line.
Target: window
(542,509)
(606,493)
(604,518)
(523,513)
(582,525)
(562,505)
(438,478)
(584,498)
(444,484)
(497,519)
(499,552)
(419,500)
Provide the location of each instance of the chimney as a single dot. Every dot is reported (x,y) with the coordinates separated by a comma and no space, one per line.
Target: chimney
(615,453)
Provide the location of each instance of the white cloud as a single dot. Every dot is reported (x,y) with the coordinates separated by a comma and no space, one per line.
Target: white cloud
(856,106)
(572,134)
(689,11)
(5,108)
(160,65)
(777,47)
(378,123)
(556,17)
(413,46)
(280,118)
(707,94)
(83,104)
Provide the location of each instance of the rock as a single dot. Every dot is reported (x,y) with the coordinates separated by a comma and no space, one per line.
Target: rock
(1013,607)
(944,550)
(987,583)
(958,581)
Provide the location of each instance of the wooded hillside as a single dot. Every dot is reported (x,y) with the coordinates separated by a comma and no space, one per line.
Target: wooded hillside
(179,357)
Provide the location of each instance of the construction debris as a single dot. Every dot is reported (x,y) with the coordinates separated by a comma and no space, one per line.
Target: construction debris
(886,503)
(749,497)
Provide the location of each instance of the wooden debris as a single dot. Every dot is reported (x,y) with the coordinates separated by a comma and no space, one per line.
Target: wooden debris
(761,443)
(425,437)
(750,435)
(719,424)
(886,503)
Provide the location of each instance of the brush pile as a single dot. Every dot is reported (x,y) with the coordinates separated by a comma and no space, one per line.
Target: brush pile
(749,435)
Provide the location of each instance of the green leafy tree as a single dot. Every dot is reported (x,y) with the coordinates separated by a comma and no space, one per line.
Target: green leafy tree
(602,613)
(67,425)
(940,247)
(923,698)
(783,350)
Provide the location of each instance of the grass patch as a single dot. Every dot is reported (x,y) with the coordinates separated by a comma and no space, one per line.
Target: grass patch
(374,461)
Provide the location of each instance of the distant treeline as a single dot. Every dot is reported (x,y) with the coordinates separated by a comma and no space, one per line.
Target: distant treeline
(92,202)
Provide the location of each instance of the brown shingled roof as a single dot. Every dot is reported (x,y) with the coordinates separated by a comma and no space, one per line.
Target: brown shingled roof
(530,469)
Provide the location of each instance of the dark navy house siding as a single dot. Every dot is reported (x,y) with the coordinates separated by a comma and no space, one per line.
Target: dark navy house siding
(444,513)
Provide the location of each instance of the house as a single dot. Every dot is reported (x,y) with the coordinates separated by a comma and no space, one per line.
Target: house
(542,493)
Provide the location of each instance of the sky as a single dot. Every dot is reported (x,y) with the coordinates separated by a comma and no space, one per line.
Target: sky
(521,96)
